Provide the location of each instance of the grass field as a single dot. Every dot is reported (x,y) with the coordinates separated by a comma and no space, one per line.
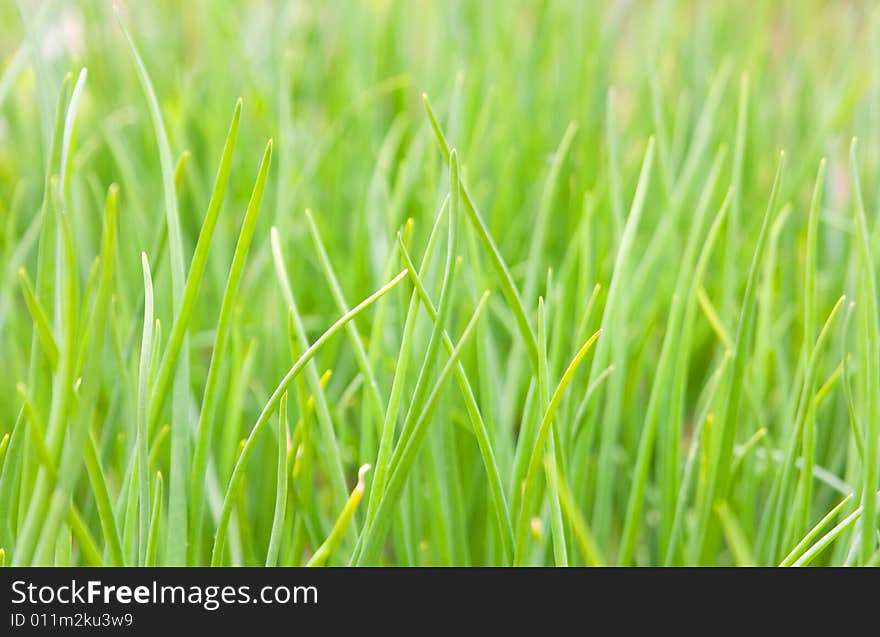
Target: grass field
(456,283)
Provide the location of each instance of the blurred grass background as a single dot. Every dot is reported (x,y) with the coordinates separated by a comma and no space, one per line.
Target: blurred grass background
(337,85)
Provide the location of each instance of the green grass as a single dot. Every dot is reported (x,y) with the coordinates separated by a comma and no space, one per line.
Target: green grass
(456,283)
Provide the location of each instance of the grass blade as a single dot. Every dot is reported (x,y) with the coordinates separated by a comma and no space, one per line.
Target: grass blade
(142,441)
(177,501)
(280,486)
(323,553)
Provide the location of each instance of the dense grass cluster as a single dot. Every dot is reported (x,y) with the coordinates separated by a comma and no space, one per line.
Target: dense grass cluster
(607,297)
